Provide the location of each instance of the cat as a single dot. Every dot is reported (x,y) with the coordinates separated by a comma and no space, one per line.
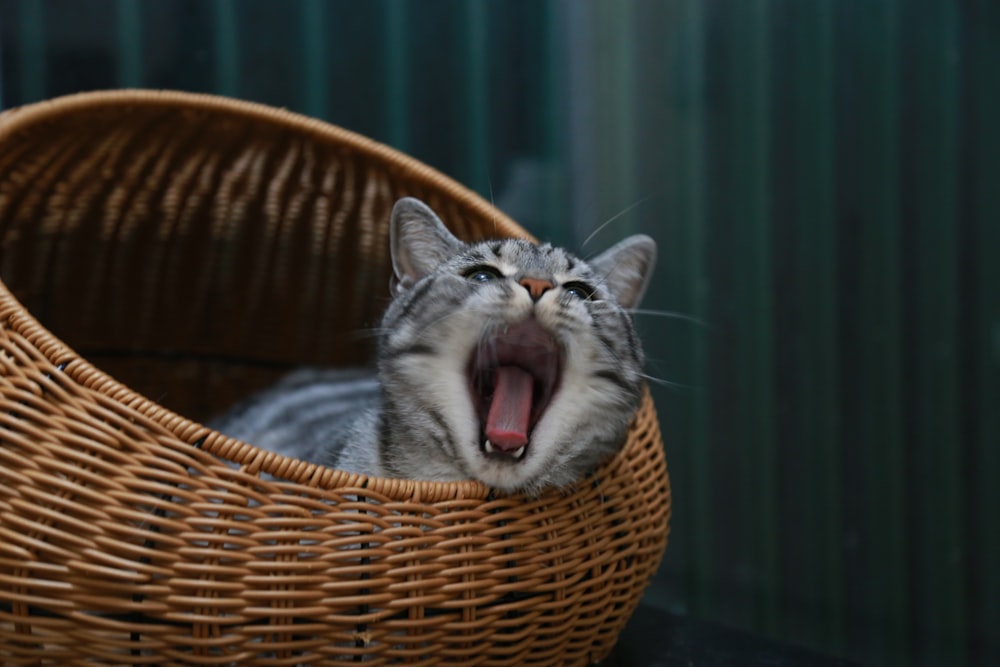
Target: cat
(502,361)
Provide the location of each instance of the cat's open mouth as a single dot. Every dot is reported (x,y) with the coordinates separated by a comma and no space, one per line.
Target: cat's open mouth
(513,374)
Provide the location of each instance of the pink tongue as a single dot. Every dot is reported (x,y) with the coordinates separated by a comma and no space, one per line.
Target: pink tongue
(510,411)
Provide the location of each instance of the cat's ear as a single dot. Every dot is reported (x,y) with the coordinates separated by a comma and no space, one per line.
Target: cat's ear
(418,241)
(626,268)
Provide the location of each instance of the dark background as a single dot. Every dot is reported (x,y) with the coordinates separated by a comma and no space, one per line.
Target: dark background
(823,178)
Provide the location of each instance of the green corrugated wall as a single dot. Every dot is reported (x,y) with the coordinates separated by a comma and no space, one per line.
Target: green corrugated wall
(823,178)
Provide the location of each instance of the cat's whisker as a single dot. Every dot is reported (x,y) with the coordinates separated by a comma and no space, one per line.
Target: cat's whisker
(434,323)
(493,204)
(602,280)
(665,383)
(364,334)
(607,222)
(668,314)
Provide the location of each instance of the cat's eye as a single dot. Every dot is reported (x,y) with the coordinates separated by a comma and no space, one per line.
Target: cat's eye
(482,274)
(580,290)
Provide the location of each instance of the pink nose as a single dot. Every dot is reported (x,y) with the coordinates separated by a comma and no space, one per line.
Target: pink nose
(536,287)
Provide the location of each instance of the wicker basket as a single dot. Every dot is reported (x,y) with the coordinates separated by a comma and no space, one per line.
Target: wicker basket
(194,248)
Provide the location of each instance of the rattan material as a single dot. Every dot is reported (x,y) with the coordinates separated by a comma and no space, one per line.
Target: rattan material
(193,248)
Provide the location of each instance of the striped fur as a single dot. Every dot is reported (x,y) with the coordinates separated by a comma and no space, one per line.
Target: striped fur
(416,416)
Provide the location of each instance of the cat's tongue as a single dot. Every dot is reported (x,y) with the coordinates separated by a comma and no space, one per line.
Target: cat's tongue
(509,416)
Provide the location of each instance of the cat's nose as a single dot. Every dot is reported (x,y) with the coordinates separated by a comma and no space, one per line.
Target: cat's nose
(536,287)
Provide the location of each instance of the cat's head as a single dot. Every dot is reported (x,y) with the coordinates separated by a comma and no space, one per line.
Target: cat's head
(505,361)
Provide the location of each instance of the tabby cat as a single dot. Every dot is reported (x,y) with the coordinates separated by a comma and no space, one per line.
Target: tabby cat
(504,361)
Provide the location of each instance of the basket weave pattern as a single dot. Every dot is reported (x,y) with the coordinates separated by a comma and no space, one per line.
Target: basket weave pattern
(194,248)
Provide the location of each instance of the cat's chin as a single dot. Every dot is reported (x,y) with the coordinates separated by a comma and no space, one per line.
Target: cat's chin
(508,475)
(531,475)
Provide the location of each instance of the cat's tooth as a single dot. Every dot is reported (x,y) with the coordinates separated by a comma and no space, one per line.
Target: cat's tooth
(488,446)
(519,452)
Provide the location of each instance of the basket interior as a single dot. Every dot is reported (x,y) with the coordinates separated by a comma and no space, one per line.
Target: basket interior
(196,251)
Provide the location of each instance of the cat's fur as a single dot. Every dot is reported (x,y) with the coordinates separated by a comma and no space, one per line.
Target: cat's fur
(458,310)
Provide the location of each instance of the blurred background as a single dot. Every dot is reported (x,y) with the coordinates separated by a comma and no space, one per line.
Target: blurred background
(823,178)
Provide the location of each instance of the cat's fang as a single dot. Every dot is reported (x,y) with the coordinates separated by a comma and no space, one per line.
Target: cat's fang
(500,454)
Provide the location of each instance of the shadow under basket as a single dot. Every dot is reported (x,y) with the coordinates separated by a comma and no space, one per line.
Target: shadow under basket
(162,255)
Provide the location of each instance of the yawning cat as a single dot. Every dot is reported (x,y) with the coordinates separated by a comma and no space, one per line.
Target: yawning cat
(504,361)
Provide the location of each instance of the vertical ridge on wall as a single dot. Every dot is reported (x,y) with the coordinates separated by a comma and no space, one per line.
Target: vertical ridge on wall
(129,32)
(692,196)
(227,45)
(615,78)
(930,161)
(32,57)
(747,210)
(476,47)
(315,58)
(868,156)
(982,357)
(759,346)
(553,87)
(806,329)
(396,74)
(669,180)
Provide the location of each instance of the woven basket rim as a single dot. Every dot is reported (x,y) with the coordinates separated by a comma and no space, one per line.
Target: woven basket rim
(18,118)
(157,417)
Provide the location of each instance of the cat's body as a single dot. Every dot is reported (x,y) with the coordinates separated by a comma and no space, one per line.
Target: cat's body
(504,361)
